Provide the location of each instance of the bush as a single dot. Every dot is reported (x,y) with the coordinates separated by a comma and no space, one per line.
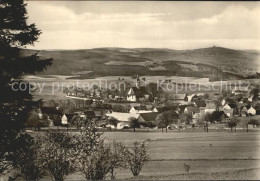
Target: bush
(58,153)
(136,156)
(27,160)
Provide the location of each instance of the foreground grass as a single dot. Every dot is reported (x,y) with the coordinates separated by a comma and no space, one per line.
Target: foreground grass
(213,155)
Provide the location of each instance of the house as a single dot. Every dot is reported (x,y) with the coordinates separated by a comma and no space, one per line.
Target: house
(191,110)
(137,94)
(251,111)
(229,106)
(191,97)
(229,109)
(64,119)
(210,107)
(123,118)
(147,117)
(142,109)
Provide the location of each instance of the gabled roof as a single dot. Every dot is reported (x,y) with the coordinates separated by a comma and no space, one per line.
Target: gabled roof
(139,92)
(70,116)
(122,116)
(149,116)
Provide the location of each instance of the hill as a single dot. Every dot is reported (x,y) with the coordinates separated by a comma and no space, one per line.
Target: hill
(222,62)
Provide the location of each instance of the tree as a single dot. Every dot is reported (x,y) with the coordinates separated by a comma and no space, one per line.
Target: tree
(33,121)
(232,123)
(116,159)
(167,118)
(92,154)
(58,153)
(15,103)
(27,160)
(185,118)
(113,121)
(254,122)
(134,123)
(206,119)
(216,116)
(136,156)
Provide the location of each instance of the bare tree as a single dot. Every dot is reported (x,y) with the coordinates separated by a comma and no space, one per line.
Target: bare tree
(116,157)
(57,152)
(92,154)
(136,156)
(206,119)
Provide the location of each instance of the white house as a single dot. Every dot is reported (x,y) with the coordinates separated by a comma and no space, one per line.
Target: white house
(251,111)
(137,93)
(123,118)
(64,119)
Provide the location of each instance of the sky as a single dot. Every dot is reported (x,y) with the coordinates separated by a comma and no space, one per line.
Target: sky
(145,24)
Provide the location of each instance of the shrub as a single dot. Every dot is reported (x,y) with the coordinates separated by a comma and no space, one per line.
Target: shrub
(136,156)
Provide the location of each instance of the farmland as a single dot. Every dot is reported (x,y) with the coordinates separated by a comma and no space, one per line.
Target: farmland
(212,155)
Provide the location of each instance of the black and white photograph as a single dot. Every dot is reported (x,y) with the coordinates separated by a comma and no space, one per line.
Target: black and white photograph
(129,90)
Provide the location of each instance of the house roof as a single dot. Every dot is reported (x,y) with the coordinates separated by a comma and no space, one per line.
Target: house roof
(70,116)
(149,116)
(139,92)
(122,116)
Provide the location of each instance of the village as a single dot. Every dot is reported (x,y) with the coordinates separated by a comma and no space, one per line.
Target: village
(142,107)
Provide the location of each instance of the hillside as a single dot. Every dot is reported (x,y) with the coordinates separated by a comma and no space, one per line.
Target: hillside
(222,62)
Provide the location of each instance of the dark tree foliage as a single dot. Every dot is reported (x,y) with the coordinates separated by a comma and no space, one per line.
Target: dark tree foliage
(134,123)
(15,34)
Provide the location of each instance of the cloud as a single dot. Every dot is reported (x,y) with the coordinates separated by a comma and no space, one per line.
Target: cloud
(236,26)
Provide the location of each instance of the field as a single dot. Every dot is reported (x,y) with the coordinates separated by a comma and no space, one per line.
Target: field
(213,155)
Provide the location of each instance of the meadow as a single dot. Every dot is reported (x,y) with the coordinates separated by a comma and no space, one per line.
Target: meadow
(213,155)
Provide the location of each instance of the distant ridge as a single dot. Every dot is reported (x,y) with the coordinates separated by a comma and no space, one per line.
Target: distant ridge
(109,61)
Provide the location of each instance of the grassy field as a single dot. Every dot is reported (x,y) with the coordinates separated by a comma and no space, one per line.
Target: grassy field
(215,155)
